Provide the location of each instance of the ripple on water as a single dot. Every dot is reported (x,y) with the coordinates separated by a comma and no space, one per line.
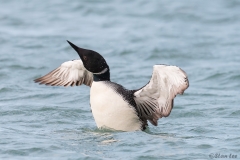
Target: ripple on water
(235,113)
(21,67)
(5,90)
(189,114)
(201,130)
(204,146)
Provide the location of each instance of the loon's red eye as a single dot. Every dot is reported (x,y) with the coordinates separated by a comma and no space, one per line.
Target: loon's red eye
(85,58)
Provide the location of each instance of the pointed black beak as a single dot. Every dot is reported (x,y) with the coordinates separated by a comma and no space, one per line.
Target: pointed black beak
(73,46)
(79,50)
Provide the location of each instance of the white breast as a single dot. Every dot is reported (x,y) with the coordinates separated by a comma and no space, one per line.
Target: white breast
(110,110)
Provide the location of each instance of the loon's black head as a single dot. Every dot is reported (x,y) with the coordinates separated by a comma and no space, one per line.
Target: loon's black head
(93,62)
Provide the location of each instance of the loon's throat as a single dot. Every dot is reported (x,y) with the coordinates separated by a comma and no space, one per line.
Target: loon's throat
(102,77)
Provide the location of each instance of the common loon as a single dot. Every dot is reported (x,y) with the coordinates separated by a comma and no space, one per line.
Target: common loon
(114,106)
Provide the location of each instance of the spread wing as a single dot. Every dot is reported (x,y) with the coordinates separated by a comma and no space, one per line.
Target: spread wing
(70,73)
(155,100)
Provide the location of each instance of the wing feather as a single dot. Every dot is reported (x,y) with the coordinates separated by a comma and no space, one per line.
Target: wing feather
(70,73)
(155,100)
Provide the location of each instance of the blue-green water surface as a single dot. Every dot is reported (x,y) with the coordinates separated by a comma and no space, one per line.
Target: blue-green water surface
(43,123)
